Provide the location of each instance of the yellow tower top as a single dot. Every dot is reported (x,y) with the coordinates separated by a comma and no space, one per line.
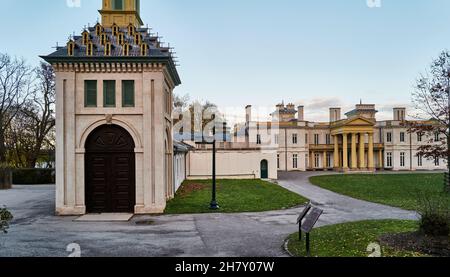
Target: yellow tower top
(121,12)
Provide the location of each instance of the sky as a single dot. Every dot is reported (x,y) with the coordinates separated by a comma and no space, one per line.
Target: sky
(316,53)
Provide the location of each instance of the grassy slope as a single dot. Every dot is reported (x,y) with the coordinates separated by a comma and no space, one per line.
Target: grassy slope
(351,239)
(399,190)
(233,196)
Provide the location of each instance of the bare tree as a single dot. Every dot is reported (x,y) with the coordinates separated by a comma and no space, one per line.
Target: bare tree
(16,85)
(431,99)
(31,132)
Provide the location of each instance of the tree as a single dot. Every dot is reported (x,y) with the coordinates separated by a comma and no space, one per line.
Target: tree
(16,85)
(30,135)
(432,99)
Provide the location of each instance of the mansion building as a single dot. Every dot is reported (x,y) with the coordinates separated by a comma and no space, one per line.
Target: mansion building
(357,142)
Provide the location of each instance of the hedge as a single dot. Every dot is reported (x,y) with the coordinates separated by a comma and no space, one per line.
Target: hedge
(33,176)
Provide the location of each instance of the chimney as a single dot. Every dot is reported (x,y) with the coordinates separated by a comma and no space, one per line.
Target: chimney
(399,114)
(290,106)
(335,114)
(301,113)
(248,113)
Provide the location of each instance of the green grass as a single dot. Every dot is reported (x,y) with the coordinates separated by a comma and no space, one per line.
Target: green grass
(352,239)
(398,190)
(233,196)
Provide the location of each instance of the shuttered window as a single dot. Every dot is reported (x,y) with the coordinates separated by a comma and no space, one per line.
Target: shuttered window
(117,5)
(128,93)
(90,94)
(109,94)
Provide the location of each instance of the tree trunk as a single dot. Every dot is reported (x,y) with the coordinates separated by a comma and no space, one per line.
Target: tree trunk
(5,178)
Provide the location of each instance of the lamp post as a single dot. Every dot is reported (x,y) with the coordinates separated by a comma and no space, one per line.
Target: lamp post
(213,205)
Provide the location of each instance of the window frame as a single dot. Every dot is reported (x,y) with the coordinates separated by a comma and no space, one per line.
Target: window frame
(125,105)
(105,87)
(86,91)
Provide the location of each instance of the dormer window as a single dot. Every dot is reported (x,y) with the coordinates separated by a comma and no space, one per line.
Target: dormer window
(144,49)
(126,49)
(70,48)
(131,30)
(86,37)
(121,39)
(137,39)
(98,29)
(90,49)
(117,5)
(115,30)
(108,47)
(103,39)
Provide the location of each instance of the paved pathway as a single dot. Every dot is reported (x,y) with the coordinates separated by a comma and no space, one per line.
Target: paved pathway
(37,232)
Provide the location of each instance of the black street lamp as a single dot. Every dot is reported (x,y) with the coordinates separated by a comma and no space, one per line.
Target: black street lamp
(214,205)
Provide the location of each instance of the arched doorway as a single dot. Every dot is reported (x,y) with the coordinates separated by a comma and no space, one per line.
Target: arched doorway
(264,169)
(110,171)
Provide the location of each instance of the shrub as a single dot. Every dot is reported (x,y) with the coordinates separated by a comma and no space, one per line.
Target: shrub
(33,176)
(5,218)
(435,215)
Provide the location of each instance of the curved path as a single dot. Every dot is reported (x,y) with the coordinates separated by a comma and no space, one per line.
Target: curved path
(37,232)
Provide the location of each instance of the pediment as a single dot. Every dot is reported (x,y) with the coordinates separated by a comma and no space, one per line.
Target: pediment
(359,121)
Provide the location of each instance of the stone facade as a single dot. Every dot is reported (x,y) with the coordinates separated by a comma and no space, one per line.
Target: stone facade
(150,68)
(357,143)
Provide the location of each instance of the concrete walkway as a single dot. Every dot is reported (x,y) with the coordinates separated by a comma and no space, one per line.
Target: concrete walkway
(339,208)
(35,230)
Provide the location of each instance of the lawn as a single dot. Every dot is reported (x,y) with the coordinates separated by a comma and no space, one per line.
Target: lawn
(352,239)
(398,190)
(233,196)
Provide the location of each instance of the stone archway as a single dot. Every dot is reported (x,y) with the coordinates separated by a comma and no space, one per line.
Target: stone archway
(110,184)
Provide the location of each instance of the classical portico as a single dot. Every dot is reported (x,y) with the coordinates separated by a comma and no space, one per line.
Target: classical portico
(353,144)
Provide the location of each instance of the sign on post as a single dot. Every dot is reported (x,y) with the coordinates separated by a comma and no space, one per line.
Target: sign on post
(300,219)
(308,225)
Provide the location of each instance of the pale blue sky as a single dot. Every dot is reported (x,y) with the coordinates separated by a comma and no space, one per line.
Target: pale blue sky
(319,53)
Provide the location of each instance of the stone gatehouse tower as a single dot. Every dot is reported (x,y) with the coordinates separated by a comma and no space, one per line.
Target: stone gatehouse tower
(114,86)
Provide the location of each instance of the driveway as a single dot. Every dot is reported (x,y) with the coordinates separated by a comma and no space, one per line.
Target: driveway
(35,231)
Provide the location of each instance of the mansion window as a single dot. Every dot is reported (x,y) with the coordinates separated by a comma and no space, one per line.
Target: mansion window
(402,137)
(328,160)
(316,139)
(306,138)
(294,139)
(295,161)
(276,139)
(328,139)
(278,161)
(306,161)
(436,137)
(90,94)
(436,161)
(419,160)
(402,159)
(316,160)
(389,159)
(258,139)
(419,137)
(389,137)
(109,94)
(128,94)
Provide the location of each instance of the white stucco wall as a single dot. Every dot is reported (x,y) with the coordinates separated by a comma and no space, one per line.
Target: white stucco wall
(232,164)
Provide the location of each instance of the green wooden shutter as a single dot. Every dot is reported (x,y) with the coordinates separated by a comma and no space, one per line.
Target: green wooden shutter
(109,94)
(118,5)
(90,94)
(128,93)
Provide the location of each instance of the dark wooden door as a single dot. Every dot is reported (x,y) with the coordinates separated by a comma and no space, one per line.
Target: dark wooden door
(110,171)
(264,169)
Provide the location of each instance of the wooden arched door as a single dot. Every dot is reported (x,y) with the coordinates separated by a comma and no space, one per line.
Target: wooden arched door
(110,171)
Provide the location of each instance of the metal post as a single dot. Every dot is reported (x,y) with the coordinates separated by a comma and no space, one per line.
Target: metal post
(308,247)
(300,231)
(214,205)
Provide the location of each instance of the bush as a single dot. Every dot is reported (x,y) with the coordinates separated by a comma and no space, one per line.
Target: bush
(435,215)
(33,176)
(5,218)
